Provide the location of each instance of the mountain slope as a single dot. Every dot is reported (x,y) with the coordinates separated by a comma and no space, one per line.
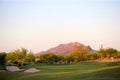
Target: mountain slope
(69,47)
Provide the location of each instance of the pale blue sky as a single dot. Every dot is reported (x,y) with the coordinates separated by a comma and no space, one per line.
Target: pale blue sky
(41,24)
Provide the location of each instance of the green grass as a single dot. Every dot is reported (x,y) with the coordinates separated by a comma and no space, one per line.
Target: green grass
(79,71)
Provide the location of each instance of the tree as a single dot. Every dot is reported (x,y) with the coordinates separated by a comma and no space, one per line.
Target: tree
(22,53)
(17,56)
(30,57)
(107,53)
(42,58)
(60,58)
(92,56)
(50,58)
(11,58)
(117,55)
(101,53)
(69,57)
(2,58)
(110,52)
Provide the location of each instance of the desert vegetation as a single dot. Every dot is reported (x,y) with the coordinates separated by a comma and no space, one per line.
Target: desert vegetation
(21,57)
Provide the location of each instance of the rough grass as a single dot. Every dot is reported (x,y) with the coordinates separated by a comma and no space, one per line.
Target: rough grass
(79,71)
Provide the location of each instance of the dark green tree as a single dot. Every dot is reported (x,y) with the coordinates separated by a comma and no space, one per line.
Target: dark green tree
(2,58)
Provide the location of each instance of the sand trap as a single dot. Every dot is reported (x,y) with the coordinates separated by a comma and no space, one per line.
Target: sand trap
(32,70)
(12,68)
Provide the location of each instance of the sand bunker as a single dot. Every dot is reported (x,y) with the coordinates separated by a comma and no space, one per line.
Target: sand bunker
(12,68)
(32,70)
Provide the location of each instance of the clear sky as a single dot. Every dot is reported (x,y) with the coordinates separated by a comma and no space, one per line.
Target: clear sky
(41,24)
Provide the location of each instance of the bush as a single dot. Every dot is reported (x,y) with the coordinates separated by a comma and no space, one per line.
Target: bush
(114,63)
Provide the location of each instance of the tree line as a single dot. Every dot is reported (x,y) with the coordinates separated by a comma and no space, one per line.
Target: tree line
(23,57)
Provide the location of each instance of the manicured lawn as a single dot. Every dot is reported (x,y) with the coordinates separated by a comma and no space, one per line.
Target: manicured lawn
(79,71)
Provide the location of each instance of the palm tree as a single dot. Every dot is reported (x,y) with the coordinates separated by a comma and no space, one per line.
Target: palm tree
(22,55)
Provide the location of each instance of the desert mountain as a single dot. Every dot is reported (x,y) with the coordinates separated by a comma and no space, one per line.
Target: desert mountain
(69,47)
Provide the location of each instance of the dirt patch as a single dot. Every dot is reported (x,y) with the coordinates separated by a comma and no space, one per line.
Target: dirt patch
(109,60)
